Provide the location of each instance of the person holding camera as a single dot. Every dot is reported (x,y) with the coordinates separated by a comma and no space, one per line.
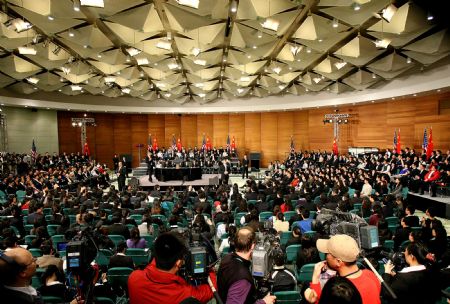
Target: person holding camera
(159,282)
(236,284)
(342,252)
(415,283)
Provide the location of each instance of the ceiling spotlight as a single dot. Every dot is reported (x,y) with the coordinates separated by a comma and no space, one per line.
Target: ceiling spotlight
(249,56)
(430,16)
(340,64)
(24,50)
(408,60)
(33,80)
(85,46)
(374,75)
(330,121)
(260,34)
(109,79)
(382,43)
(80,123)
(356,6)
(335,23)
(308,50)
(277,70)
(99,56)
(141,74)
(71,33)
(200,62)
(240,90)
(95,3)
(133,51)
(199,85)
(172,66)
(19,25)
(165,45)
(195,51)
(76,5)
(389,12)
(317,79)
(142,61)
(244,78)
(126,90)
(295,49)
(255,47)
(233,7)
(51,18)
(190,3)
(76,88)
(224,59)
(128,59)
(270,24)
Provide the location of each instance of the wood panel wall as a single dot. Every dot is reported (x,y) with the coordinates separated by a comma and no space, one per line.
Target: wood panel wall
(372,125)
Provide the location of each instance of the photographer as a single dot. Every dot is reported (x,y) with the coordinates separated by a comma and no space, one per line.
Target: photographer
(342,252)
(159,282)
(412,284)
(236,284)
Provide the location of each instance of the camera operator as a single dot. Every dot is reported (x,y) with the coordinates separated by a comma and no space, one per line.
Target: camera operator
(412,284)
(236,284)
(342,252)
(159,281)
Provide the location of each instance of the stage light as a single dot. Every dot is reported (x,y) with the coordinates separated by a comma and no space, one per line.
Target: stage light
(190,3)
(24,50)
(94,3)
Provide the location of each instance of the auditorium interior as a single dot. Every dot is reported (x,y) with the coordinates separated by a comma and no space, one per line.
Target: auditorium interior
(340,105)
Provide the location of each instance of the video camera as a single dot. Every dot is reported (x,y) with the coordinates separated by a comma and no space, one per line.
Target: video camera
(335,222)
(397,259)
(80,252)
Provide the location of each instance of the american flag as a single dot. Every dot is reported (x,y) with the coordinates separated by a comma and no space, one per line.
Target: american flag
(292,145)
(33,152)
(174,143)
(228,143)
(203,143)
(425,140)
(395,139)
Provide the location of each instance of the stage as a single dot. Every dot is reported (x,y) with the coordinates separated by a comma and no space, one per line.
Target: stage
(206,179)
(422,202)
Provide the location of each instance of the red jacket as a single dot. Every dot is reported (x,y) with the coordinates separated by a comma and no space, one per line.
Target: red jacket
(152,285)
(432,176)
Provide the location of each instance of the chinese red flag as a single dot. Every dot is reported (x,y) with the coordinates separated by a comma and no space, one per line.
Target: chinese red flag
(399,147)
(430,144)
(233,144)
(86,150)
(335,147)
(155,144)
(179,146)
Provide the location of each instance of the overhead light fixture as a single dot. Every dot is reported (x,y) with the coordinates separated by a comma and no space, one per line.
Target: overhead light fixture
(66,70)
(244,78)
(167,95)
(374,75)
(33,80)
(199,85)
(172,66)
(71,33)
(224,59)
(382,43)
(50,17)
(141,74)
(255,47)
(356,6)
(57,49)
(126,90)
(335,23)
(195,51)
(109,79)
(308,50)
(190,3)
(128,59)
(94,3)
(408,60)
(165,45)
(270,24)
(76,5)
(295,49)
(200,62)
(76,87)
(340,64)
(202,95)
(27,50)
(281,86)
(259,35)
(233,7)
(430,16)
(132,51)
(99,55)
(277,70)
(389,12)
(317,79)
(18,25)
(142,61)
(240,90)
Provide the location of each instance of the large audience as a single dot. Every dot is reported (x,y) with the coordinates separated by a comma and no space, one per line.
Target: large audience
(54,198)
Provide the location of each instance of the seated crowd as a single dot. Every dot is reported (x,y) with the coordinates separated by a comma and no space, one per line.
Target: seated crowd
(133,228)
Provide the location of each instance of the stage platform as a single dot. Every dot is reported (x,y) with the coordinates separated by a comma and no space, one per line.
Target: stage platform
(422,202)
(207,179)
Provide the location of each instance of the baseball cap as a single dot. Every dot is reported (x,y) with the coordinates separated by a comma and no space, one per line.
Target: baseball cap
(341,246)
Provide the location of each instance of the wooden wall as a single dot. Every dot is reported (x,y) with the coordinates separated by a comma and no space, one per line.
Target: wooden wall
(372,125)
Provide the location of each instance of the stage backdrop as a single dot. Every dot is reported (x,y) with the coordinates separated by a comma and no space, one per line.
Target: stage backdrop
(371,125)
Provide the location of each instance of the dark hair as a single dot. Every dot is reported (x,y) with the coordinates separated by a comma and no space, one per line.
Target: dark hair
(419,251)
(52,269)
(135,236)
(121,246)
(245,238)
(168,249)
(340,290)
(411,209)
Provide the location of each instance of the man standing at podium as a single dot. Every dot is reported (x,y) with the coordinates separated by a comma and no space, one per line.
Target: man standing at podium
(150,165)
(245,166)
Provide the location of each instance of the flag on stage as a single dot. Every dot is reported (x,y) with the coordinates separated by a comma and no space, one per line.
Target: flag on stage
(33,152)
(292,145)
(395,140)
(398,147)
(179,145)
(430,146)
(208,144)
(149,143)
(233,144)
(86,150)
(155,144)
(174,142)
(335,147)
(228,143)
(425,140)
(203,144)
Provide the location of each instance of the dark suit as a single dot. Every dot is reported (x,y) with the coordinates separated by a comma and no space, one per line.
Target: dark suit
(245,164)
(119,229)
(121,261)
(150,167)
(122,177)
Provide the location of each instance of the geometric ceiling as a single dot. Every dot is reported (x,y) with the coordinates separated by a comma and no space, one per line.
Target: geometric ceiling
(204,50)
